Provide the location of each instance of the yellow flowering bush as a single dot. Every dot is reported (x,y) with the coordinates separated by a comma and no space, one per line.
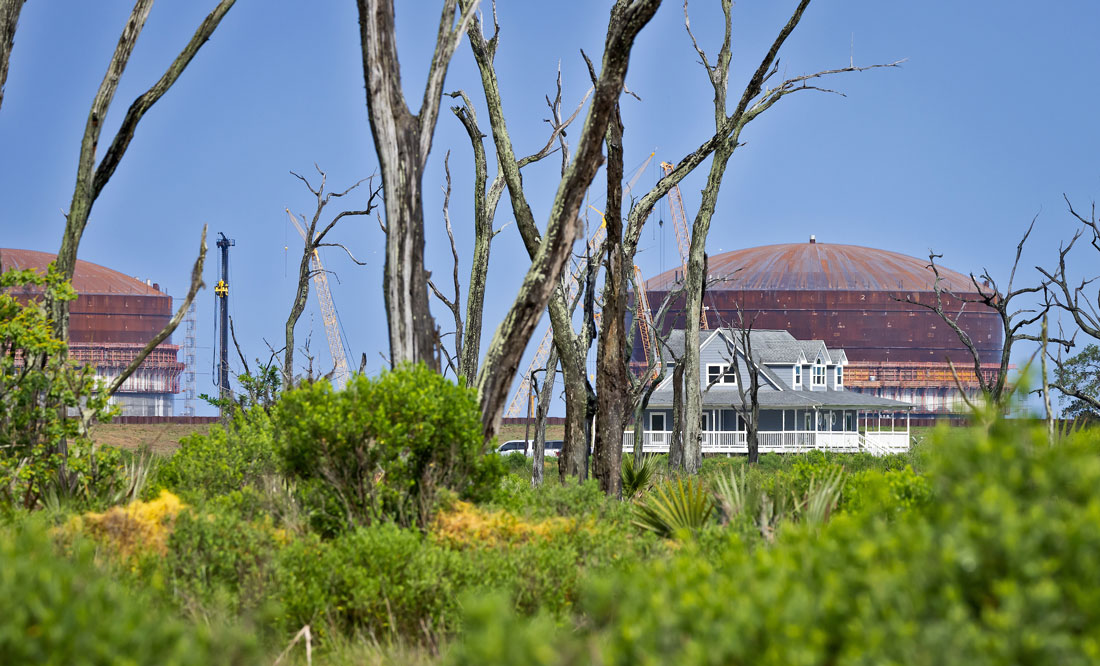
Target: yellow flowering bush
(465,525)
(137,528)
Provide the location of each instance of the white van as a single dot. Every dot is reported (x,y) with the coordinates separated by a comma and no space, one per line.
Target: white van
(553,447)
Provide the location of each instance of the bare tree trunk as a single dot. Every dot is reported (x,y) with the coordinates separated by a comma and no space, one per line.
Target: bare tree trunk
(402,142)
(639,418)
(612,382)
(90,179)
(676,445)
(9,19)
(546,394)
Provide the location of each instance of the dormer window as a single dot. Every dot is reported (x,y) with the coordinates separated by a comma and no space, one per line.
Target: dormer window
(718,373)
(839,376)
(819,374)
(797,377)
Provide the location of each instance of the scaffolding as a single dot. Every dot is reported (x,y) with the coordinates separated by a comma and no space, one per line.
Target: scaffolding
(158,373)
(877,374)
(190,362)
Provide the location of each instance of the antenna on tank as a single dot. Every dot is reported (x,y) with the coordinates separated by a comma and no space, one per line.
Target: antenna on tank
(221,293)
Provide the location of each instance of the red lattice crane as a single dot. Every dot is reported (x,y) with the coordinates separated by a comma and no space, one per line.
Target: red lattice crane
(683,237)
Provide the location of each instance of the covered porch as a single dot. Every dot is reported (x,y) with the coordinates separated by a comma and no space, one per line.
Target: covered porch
(798,431)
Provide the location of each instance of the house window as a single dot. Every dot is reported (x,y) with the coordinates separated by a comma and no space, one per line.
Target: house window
(839,376)
(797,377)
(657,421)
(718,373)
(819,374)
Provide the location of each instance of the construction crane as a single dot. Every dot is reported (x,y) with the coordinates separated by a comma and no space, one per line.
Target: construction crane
(645,319)
(570,287)
(683,238)
(328,311)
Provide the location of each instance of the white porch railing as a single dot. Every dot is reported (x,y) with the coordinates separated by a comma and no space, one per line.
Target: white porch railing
(887,441)
(790,441)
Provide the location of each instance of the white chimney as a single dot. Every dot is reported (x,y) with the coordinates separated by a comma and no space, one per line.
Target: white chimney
(813,238)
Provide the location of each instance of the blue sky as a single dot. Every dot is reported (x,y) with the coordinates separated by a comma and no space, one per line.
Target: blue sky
(989,121)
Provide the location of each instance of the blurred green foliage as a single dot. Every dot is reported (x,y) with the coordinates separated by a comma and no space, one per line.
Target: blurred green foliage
(999,568)
(65,609)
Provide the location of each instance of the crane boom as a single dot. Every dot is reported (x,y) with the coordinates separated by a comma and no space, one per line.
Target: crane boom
(645,315)
(328,312)
(683,237)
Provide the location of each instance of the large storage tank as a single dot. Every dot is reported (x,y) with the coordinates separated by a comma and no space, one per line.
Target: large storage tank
(853,298)
(109,323)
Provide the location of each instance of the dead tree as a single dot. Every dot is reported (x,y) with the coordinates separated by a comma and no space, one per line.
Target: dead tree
(9,19)
(550,250)
(1013,320)
(748,407)
(543,406)
(755,99)
(486,199)
(402,142)
(308,266)
(90,177)
(1075,299)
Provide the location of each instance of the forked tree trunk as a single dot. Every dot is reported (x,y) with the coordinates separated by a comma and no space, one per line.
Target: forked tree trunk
(402,142)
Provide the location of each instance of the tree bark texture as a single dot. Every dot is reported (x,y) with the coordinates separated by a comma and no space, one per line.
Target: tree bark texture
(506,350)
(402,142)
(90,179)
(9,20)
(612,380)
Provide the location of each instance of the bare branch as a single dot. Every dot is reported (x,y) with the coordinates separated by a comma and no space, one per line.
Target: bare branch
(181,312)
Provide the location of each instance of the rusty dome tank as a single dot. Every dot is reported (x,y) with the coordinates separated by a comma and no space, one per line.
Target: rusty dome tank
(113,317)
(854,298)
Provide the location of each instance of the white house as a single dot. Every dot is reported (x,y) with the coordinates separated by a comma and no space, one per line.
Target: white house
(803,403)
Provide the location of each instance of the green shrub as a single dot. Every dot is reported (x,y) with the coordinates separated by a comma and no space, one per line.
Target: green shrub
(65,610)
(998,569)
(638,476)
(381,580)
(226,459)
(675,508)
(383,447)
(571,499)
(223,553)
(44,456)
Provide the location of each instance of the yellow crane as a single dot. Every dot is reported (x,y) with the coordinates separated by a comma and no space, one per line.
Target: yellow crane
(328,311)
